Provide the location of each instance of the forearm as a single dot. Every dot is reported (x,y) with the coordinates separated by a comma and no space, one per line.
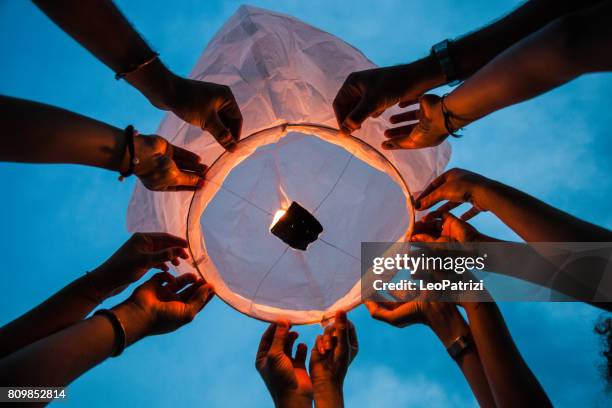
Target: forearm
(511,381)
(471,52)
(533,220)
(99,26)
(39,133)
(68,306)
(469,362)
(60,358)
(558,53)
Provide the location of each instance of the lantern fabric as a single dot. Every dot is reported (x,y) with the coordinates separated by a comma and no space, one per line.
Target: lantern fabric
(284,75)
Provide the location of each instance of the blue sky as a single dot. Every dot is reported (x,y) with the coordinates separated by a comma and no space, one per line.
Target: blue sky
(63,220)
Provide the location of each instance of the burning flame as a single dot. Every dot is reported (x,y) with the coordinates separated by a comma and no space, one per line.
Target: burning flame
(279,214)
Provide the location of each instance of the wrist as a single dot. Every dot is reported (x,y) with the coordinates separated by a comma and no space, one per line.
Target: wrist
(99,286)
(431,75)
(482,193)
(328,395)
(156,82)
(134,319)
(449,325)
(292,399)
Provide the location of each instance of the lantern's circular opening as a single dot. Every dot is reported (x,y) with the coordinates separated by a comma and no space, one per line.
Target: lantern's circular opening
(277,227)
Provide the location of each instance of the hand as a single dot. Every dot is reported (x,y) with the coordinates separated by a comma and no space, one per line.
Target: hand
(331,356)
(370,92)
(456,186)
(285,376)
(429,131)
(209,106)
(163,304)
(443,227)
(442,317)
(164,167)
(129,263)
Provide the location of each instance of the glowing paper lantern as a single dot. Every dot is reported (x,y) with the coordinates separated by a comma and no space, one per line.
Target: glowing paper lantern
(278,226)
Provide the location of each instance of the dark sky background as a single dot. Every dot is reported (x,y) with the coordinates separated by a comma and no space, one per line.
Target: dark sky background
(60,221)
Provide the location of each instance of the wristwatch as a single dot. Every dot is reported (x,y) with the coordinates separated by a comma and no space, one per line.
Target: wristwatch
(442,54)
(459,346)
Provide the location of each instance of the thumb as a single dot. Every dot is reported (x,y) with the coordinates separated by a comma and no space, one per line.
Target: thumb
(166,255)
(220,132)
(428,104)
(359,114)
(200,297)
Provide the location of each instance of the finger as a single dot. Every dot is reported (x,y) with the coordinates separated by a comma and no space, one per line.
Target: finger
(469,214)
(184,295)
(437,182)
(399,132)
(186,160)
(398,143)
(422,238)
(327,338)
(183,188)
(182,281)
(408,102)
(446,207)
(184,156)
(290,341)
(231,116)
(280,337)
(406,312)
(377,113)
(200,297)
(404,117)
(341,326)
(161,278)
(168,177)
(161,266)
(166,255)
(359,114)
(319,348)
(345,100)
(427,226)
(218,130)
(434,197)
(300,355)
(266,340)
(163,240)
(352,338)
(185,181)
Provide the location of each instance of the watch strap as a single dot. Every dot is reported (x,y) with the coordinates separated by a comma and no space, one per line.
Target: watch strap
(459,346)
(442,53)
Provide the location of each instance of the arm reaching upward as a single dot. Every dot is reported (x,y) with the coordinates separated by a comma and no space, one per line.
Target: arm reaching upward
(563,50)
(155,307)
(53,135)
(370,92)
(100,27)
(74,302)
(512,382)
